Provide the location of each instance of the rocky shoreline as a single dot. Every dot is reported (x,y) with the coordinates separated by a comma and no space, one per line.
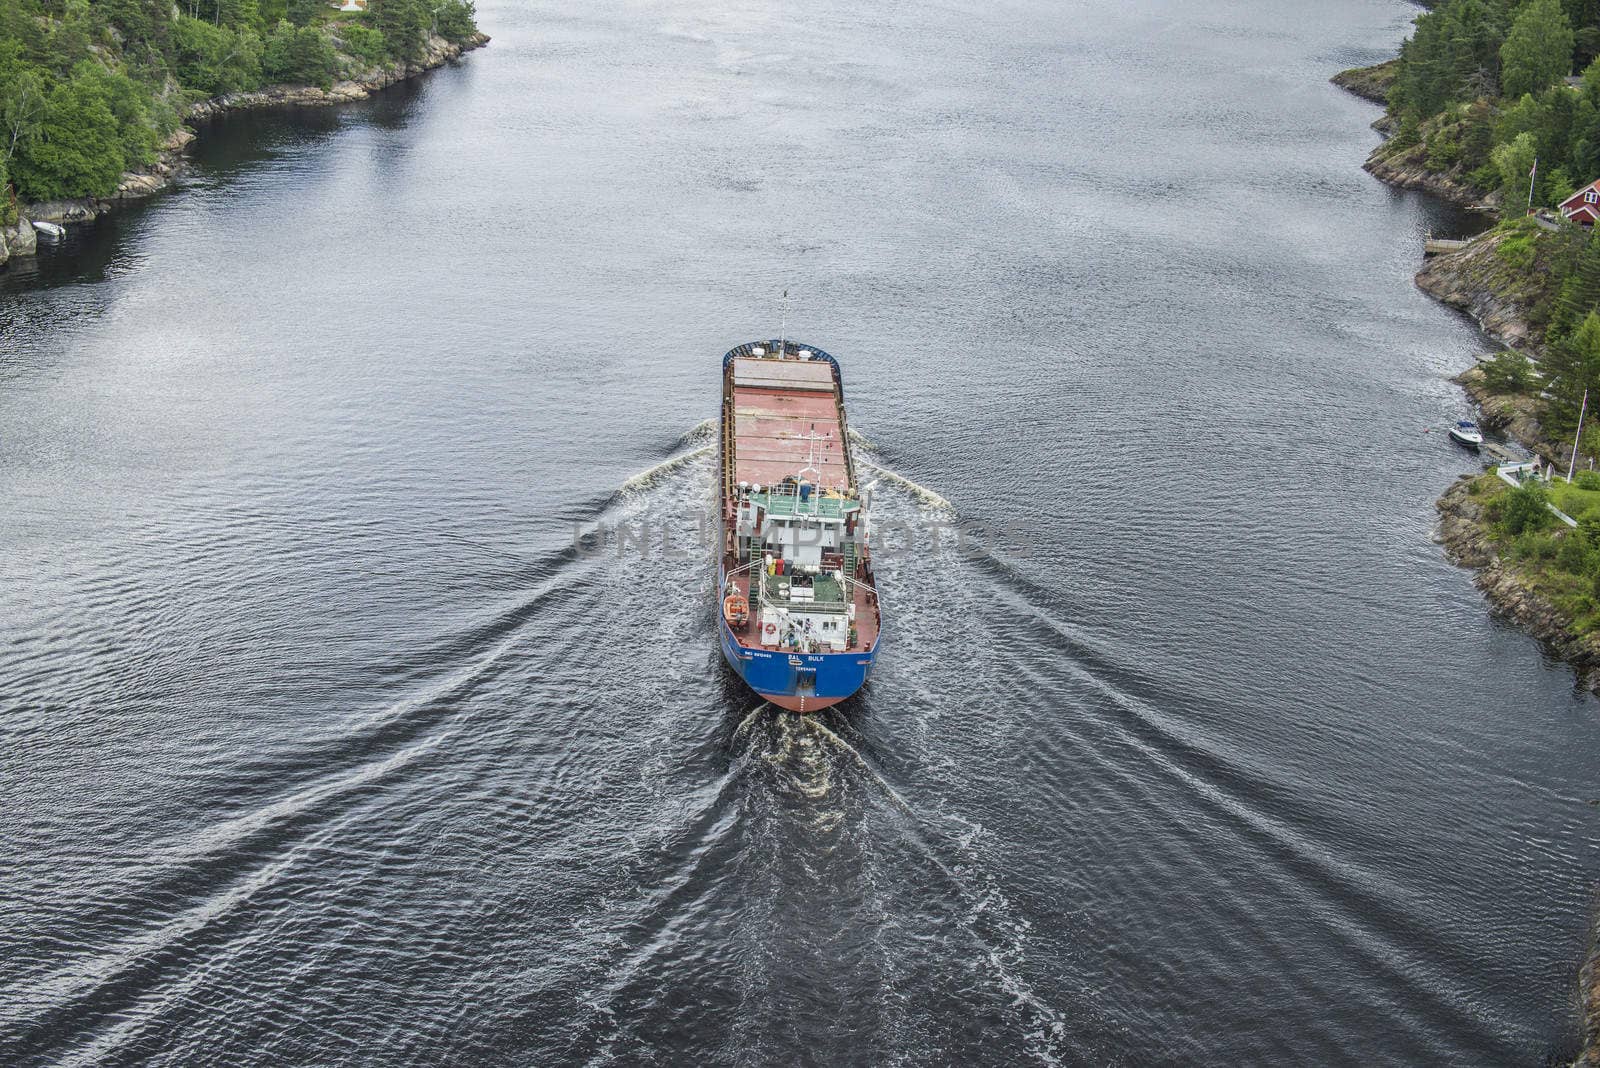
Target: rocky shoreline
(21,239)
(1463,533)
(1406,168)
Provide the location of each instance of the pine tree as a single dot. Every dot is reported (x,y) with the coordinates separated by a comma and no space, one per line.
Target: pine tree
(1571,367)
(1580,293)
(1538,50)
(403,23)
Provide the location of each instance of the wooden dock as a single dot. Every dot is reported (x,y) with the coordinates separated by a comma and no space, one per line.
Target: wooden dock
(1436,246)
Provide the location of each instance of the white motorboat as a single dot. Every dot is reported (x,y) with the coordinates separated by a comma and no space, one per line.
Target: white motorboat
(1466,432)
(49,232)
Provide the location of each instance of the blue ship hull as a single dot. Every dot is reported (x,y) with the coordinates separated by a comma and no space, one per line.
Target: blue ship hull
(800,682)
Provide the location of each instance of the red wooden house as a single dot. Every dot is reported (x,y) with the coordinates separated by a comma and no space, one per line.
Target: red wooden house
(1583,207)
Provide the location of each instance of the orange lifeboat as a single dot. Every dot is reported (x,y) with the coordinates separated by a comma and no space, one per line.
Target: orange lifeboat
(736,610)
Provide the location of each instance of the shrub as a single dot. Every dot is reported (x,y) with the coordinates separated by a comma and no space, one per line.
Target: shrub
(1508,372)
(1587,480)
(301,56)
(1522,510)
(1517,252)
(1444,150)
(1574,554)
(364,43)
(1536,547)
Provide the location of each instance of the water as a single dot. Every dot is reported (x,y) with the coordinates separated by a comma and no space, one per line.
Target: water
(322,744)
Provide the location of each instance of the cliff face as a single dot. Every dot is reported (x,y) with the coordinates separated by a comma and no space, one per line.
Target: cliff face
(1500,296)
(17,241)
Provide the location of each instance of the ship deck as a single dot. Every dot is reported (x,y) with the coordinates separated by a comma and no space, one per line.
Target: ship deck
(786,422)
(864,599)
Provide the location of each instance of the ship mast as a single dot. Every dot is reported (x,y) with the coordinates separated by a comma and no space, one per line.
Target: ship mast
(783,324)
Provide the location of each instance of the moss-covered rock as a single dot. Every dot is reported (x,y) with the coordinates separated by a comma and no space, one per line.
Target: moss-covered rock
(1370,83)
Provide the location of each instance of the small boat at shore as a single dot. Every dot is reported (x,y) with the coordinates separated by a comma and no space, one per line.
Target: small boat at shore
(49,232)
(1466,432)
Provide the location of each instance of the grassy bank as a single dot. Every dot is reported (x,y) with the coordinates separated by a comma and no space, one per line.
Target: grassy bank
(1373,83)
(1558,563)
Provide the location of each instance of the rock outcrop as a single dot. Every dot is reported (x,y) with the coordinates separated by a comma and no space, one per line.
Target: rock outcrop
(169,162)
(1589,1002)
(1517,417)
(18,239)
(1369,83)
(1407,168)
(1500,296)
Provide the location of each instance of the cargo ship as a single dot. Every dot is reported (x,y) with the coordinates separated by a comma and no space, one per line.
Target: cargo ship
(797,609)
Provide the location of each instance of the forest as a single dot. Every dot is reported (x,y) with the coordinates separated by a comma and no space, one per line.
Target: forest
(90,88)
(1488,86)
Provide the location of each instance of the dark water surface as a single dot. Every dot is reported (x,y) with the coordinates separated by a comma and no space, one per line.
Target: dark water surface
(320,746)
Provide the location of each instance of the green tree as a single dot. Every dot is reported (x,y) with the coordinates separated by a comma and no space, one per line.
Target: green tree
(1508,372)
(1572,367)
(303,56)
(1538,50)
(404,24)
(22,99)
(1514,161)
(455,20)
(301,12)
(1580,292)
(76,151)
(8,199)
(214,60)
(239,14)
(364,43)
(129,103)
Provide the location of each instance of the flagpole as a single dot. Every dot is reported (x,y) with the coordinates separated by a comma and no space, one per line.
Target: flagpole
(1579,436)
(1532,177)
